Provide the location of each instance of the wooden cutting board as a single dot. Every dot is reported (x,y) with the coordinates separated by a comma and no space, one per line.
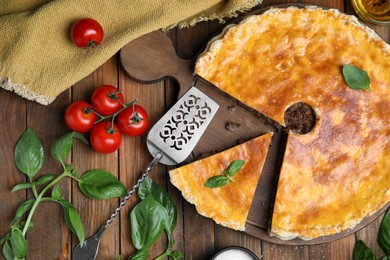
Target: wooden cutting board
(152,58)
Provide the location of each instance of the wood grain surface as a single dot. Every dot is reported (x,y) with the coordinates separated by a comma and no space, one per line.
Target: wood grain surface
(196,236)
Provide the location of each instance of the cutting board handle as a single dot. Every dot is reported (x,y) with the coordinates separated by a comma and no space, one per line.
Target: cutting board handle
(152,57)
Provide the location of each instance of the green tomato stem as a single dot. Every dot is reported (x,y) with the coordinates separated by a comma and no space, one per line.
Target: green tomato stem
(101,118)
(39,199)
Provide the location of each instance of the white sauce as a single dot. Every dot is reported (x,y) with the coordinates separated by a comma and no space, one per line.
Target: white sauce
(234,254)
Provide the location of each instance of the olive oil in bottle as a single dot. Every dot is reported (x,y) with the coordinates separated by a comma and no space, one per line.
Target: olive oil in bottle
(374,11)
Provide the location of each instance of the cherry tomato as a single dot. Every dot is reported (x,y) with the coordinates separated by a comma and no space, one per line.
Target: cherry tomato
(79,117)
(133,120)
(86,33)
(105,137)
(106,100)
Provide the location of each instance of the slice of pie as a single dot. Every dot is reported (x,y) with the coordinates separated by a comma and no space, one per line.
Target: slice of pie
(339,173)
(227,205)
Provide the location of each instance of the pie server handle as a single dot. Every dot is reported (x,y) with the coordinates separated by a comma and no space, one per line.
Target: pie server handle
(90,247)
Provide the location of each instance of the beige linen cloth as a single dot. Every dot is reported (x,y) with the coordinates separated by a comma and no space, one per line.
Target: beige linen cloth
(38,59)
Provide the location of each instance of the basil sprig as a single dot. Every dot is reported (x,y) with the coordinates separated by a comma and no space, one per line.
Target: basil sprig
(29,159)
(222,180)
(362,251)
(356,78)
(155,214)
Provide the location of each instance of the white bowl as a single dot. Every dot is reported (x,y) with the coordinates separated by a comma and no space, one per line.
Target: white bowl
(235,253)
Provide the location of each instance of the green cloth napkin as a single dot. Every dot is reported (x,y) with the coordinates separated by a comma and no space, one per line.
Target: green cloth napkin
(38,59)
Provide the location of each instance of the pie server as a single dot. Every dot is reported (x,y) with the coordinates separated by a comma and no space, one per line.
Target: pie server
(170,141)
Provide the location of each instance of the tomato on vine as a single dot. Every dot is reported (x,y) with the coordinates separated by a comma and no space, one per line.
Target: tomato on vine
(107,100)
(105,137)
(79,117)
(133,120)
(86,33)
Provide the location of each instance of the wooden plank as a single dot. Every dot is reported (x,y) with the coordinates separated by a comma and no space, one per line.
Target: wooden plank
(12,126)
(50,235)
(94,213)
(135,157)
(275,251)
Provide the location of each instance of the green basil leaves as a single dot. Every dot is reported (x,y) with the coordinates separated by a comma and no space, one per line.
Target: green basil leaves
(222,180)
(60,149)
(29,159)
(73,220)
(362,251)
(384,234)
(18,243)
(234,167)
(99,184)
(28,153)
(161,196)
(149,218)
(23,208)
(217,181)
(356,78)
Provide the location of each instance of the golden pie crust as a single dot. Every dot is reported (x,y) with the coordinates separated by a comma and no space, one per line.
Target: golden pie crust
(228,205)
(339,173)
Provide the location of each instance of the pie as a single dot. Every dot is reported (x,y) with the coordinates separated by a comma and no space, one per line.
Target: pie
(339,172)
(227,205)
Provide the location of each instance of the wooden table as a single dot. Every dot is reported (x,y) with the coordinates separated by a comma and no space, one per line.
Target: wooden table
(196,236)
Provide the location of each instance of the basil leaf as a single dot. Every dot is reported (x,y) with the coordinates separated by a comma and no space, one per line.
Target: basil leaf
(21,186)
(72,219)
(386,257)
(80,137)
(22,223)
(23,208)
(356,78)
(28,154)
(234,167)
(362,251)
(140,255)
(147,222)
(384,234)
(217,181)
(18,243)
(74,222)
(60,149)
(148,186)
(99,184)
(177,255)
(7,251)
(56,193)
(145,188)
(45,179)
(5,238)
